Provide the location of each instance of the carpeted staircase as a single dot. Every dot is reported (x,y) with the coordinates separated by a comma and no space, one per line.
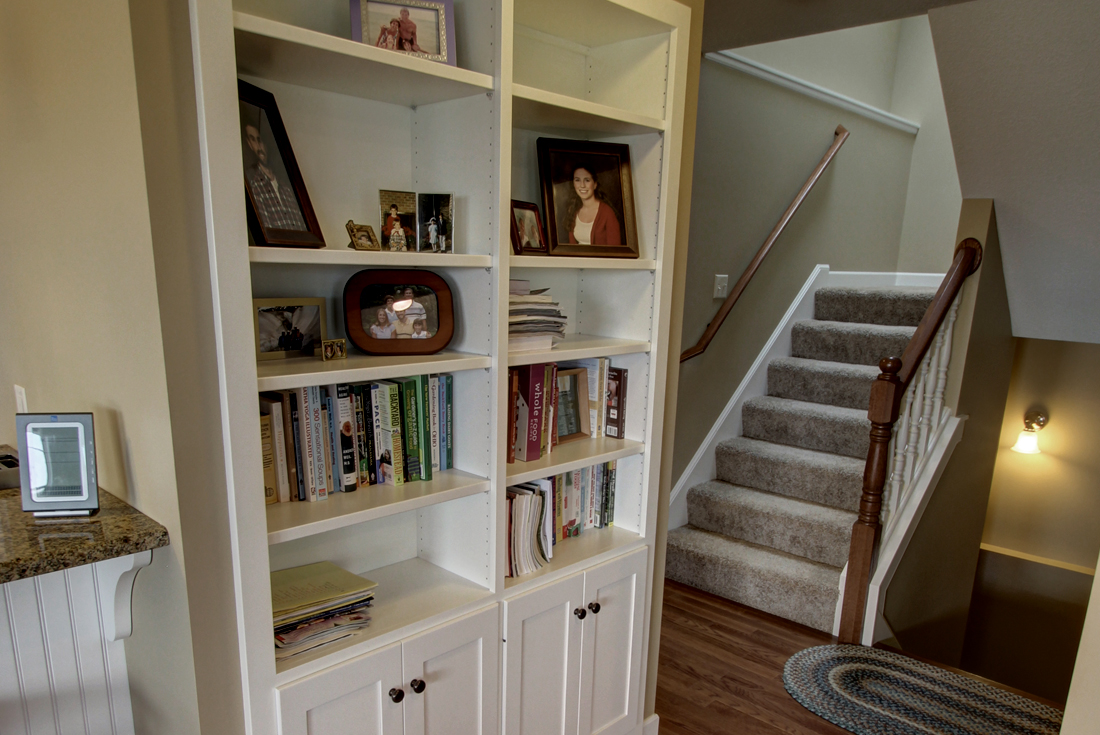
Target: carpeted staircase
(772,531)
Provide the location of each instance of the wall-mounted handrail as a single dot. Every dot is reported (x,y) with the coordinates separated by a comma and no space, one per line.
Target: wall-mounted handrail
(887,393)
(840,135)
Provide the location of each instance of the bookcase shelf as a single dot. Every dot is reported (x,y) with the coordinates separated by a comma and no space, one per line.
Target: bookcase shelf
(408,592)
(289,521)
(539,109)
(573,456)
(347,256)
(590,547)
(579,347)
(622,264)
(286,53)
(298,372)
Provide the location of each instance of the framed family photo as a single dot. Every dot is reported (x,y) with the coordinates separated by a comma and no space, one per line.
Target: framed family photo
(424,28)
(279,210)
(362,237)
(528,236)
(398,312)
(588,198)
(398,218)
(291,327)
(435,223)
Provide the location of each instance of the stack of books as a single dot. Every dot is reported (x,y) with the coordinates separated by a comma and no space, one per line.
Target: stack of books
(316,605)
(545,512)
(321,440)
(534,318)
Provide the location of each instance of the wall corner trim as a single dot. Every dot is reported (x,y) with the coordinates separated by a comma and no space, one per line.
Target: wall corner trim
(817,92)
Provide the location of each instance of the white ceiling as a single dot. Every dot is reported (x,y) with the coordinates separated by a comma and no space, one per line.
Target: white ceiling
(1021,83)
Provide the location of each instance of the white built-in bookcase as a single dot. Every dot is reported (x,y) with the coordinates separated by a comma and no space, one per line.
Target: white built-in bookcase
(362,119)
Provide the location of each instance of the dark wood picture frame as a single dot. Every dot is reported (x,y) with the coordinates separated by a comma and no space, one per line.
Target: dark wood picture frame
(517,241)
(353,307)
(580,375)
(557,160)
(311,237)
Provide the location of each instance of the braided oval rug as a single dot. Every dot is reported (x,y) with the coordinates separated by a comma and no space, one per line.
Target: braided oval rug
(872,692)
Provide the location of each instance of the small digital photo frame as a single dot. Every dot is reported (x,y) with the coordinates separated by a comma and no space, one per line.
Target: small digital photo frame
(57,470)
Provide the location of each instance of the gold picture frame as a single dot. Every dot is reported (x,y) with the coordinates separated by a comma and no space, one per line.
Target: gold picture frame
(290,327)
(362,237)
(572,417)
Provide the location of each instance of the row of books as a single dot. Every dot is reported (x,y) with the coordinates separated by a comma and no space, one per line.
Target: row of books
(544,512)
(534,318)
(317,604)
(339,438)
(545,405)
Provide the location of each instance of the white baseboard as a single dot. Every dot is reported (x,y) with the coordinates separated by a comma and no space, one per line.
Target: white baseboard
(651,724)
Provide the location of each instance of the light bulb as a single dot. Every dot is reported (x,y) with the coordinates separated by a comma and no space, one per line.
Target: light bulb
(1027,443)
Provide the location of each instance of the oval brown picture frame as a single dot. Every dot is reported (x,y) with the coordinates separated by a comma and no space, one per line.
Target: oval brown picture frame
(353,318)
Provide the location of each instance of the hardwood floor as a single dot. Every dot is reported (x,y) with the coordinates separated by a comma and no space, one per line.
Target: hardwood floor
(721,669)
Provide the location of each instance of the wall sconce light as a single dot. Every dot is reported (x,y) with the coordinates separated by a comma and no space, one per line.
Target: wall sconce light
(1028,441)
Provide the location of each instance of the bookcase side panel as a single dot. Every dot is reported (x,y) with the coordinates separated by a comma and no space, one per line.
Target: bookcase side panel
(455,536)
(357,548)
(616,304)
(550,63)
(630,74)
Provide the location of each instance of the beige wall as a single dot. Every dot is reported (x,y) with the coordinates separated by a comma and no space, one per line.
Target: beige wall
(81,319)
(1083,705)
(756,144)
(1049,504)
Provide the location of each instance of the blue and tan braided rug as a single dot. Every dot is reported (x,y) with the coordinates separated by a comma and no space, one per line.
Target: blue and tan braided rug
(871,692)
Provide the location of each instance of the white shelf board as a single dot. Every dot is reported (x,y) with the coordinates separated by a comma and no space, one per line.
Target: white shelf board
(604,21)
(347,256)
(579,347)
(543,261)
(408,592)
(573,456)
(286,53)
(298,372)
(289,521)
(572,553)
(537,109)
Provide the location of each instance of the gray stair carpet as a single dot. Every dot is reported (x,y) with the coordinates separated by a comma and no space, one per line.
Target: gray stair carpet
(773,530)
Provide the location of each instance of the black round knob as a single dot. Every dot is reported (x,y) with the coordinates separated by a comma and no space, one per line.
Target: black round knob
(580,612)
(397,694)
(594,607)
(417,685)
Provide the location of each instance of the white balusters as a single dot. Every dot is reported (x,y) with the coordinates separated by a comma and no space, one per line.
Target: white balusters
(943,341)
(926,390)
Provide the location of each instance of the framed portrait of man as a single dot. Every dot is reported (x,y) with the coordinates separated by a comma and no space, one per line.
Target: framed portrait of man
(588,198)
(279,210)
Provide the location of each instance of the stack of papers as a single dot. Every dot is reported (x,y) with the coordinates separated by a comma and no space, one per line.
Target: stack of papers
(530,524)
(534,318)
(315,605)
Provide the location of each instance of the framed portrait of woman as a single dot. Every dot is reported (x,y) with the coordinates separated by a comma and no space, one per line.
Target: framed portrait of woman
(588,198)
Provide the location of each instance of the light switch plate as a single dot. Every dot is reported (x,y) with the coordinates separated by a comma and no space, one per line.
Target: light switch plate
(20,400)
(721,286)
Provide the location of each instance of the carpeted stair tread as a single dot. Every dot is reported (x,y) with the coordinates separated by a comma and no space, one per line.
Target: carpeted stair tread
(826,479)
(859,344)
(781,584)
(816,426)
(797,527)
(899,306)
(820,381)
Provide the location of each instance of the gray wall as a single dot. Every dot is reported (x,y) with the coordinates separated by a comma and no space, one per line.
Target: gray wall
(756,144)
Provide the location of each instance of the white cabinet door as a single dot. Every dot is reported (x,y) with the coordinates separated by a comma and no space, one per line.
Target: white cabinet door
(611,646)
(352,697)
(542,646)
(452,676)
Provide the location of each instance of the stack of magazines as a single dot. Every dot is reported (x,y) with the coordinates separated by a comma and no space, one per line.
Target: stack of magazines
(534,318)
(316,605)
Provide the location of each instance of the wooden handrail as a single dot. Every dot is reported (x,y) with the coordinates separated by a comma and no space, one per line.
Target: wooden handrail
(840,135)
(887,393)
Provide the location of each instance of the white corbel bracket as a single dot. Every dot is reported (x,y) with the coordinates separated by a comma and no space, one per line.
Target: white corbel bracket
(115,584)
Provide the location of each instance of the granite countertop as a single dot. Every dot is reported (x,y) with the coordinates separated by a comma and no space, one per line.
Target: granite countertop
(32,546)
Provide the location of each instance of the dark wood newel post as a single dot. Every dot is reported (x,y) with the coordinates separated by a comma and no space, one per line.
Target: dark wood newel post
(886,395)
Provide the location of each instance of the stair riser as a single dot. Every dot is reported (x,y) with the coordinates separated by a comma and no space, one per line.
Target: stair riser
(855,348)
(897,309)
(785,381)
(831,486)
(803,537)
(812,605)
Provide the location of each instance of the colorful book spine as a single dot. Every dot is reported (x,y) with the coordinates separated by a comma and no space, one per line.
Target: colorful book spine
(291,455)
(433,395)
(611,471)
(267,447)
(365,465)
(345,445)
(450,415)
(529,412)
(299,456)
(332,451)
(424,431)
(410,431)
(616,402)
(326,449)
(272,405)
(383,462)
(317,437)
(513,403)
(443,397)
(309,430)
(392,445)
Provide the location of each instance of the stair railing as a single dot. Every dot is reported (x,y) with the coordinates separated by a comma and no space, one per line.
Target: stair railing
(909,393)
(839,136)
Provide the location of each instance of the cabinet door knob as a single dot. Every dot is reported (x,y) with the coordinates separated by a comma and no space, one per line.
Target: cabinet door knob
(580,612)
(594,607)
(397,694)
(417,685)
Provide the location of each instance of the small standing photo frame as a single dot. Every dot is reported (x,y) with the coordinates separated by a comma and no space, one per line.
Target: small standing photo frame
(528,237)
(424,28)
(573,414)
(588,198)
(435,223)
(334,349)
(291,327)
(398,312)
(398,218)
(279,210)
(362,237)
